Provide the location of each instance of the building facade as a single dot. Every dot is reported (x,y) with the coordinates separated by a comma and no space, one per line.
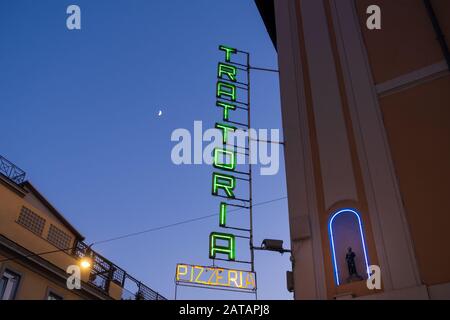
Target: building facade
(366,123)
(37,245)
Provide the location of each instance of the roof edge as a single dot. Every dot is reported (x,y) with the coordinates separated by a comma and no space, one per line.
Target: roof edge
(27,184)
(266,9)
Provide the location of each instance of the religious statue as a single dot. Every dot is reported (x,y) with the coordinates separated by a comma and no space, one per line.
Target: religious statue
(351,265)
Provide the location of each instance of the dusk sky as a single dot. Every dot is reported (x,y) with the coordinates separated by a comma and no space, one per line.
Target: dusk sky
(78,113)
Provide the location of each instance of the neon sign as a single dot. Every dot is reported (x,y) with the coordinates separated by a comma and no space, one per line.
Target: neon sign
(333,250)
(224,159)
(216,277)
(224,183)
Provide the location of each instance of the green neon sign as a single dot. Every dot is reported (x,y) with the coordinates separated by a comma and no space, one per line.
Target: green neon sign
(223,214)
(225,90)
(226,107)
(224,243)
(227,70)
(225,182)
(223,153)
(228,52)
(225,129)
(229,249)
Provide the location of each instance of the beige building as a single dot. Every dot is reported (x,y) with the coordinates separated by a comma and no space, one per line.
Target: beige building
(366,118)
(37,245)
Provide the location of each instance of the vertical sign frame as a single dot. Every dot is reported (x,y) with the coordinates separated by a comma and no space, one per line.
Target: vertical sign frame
(226,179)
(246,106)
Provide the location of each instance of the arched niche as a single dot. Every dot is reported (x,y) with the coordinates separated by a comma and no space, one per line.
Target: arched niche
(346,231)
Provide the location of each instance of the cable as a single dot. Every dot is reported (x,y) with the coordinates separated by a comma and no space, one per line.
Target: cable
(179,223)
(36,254)
(128,235)
(154,229)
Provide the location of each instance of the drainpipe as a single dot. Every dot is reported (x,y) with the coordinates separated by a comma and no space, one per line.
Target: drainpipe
(437,29)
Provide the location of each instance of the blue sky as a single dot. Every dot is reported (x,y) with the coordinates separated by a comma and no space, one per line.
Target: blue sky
(79,115)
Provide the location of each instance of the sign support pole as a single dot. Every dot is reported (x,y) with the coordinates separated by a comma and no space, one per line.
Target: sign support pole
(250,184)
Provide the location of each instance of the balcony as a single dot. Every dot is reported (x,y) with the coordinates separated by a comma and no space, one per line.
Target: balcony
(105,276)
(104,273)
(11,171)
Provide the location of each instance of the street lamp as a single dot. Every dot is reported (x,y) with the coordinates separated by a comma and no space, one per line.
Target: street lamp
(86,261)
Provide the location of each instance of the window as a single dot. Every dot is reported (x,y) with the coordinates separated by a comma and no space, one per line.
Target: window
(31,221)
(8,285)
(58,238)
(53,296)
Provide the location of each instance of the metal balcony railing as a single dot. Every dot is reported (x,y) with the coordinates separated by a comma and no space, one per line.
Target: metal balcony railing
(103,272)
(11,171)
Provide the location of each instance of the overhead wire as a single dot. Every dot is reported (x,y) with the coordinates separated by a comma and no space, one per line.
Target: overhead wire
(133,234)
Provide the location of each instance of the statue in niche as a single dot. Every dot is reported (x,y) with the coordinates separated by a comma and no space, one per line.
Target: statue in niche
(351,265)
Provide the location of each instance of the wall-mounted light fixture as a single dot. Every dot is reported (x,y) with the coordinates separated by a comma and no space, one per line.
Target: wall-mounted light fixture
(272,245)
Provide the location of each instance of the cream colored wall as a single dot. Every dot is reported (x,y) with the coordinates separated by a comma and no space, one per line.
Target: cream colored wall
(417,122)
(377,192)
(115,291)
(418,126)
(406,41)
(31,199)
(308,267)
(10,206)
(307,61)
(33,286)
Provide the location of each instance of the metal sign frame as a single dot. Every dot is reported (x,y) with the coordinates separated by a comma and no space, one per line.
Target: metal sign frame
(244,176)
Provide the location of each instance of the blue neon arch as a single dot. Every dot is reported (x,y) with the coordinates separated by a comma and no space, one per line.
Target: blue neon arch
(363,242)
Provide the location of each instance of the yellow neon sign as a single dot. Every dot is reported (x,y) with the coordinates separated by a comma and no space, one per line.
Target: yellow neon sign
(215,277)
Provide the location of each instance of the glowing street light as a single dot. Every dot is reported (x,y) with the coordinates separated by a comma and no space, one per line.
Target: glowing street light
(86,263)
